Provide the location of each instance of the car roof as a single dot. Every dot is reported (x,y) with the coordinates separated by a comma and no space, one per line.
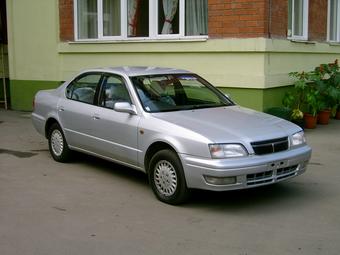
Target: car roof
(138,70)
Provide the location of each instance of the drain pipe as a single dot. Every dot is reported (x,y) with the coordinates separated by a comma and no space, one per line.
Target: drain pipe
(3,74)
(269,19)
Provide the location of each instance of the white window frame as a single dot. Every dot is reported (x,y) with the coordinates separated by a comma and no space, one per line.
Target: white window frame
(153,25)
(337,40)
(304,36)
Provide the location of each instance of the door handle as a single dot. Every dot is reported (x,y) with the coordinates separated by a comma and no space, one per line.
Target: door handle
(61,109)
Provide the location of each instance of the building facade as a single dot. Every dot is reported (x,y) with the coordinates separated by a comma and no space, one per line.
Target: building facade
(246,48)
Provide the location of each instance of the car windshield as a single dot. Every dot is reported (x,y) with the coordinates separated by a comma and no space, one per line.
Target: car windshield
(176,92)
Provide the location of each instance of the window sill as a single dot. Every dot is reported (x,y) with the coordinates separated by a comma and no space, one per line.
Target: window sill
(293,40)
(142,40)
(334,43)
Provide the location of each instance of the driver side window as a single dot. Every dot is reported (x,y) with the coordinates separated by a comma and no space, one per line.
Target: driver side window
(113,91)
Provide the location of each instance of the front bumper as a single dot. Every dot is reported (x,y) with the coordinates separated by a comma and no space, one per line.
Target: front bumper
(252,171)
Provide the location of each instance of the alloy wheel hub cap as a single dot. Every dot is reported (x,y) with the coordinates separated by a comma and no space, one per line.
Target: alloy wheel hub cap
(57,142)
(165,178)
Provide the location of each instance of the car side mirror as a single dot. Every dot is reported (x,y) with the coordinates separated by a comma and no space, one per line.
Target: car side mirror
(125,107)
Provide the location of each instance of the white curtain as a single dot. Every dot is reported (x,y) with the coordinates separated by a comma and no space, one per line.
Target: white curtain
(132,17)
(196,17)
(111,17)
(170,9)
(87,19)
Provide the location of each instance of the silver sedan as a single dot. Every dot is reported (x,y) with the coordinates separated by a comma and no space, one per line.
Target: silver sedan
(171,124)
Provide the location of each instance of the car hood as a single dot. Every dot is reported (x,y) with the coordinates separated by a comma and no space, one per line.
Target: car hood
(230,124)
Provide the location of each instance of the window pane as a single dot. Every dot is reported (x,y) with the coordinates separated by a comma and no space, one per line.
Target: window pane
(298,17)
(290,10)
(333,20)
(168,17)
(114,91)
(111,17)
(84,89)
(87,19)
(138,18)
(196,17)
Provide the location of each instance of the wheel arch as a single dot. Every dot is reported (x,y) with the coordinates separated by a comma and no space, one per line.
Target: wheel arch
(49,122)
(153,148)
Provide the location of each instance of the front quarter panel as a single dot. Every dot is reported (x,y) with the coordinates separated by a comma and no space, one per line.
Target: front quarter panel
(183,141)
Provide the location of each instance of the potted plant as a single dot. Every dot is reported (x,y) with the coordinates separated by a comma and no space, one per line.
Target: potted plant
(291,101)
(313,105)
(304,97)
(326,79)
(317,91)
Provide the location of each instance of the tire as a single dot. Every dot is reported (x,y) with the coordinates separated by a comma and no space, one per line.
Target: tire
(57,144)
(167,178)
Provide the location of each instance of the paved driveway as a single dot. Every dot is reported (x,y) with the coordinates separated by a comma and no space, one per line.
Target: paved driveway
(92,206)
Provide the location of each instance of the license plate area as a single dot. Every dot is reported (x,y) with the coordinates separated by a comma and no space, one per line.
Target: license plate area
(277,165)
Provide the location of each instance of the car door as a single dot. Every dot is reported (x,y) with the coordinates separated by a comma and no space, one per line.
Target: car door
(116,132)
(76,111)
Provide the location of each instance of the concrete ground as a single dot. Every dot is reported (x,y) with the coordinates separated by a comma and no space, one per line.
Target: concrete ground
(91,206)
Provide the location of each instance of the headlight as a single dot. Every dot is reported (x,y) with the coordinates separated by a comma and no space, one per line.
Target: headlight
(297,139)
(227,150)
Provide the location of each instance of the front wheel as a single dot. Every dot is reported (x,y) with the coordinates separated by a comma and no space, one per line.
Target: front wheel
(57,144)
(167,178)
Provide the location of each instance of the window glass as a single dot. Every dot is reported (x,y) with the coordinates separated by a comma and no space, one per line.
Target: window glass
(113,90)
(176,92)
(87,19)
(196,17)
(111,17)
(298,19)
(168,17)
(138,18)
(290,19)
(84,88)
(334,20)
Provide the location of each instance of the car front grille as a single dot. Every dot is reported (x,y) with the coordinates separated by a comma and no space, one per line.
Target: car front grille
(271,176)
(270,146)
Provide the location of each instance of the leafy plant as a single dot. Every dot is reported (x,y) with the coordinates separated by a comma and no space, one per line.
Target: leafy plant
(314,90)
(312,102)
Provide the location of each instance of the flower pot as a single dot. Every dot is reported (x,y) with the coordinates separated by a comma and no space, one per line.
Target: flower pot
(337,116)
(310,120)
(323,117)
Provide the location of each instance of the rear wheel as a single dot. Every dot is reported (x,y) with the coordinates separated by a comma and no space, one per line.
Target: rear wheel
(57,144)
(167,178)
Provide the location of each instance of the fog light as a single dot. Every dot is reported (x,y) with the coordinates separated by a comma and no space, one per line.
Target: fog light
(220,180)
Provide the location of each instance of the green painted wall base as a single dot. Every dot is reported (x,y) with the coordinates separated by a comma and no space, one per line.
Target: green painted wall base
(257,99)
(22,92)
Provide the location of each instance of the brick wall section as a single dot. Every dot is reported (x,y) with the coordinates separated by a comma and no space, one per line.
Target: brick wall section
(317,27)
(318,12)
(66,20)
(278,19)
(237,18)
